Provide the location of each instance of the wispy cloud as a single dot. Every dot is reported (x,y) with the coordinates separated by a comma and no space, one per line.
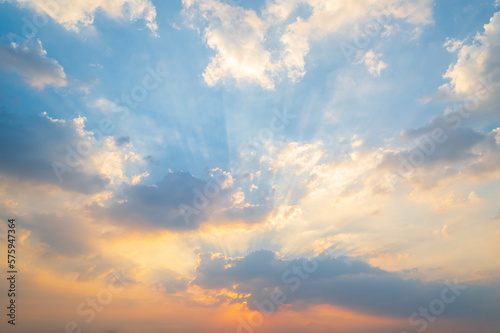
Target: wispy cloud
(74,15)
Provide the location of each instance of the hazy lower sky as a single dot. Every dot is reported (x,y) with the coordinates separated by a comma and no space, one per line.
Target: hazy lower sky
(251,165)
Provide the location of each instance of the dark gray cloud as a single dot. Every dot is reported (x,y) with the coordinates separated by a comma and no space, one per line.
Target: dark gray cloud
(441,140)
(443,148)
(338,281)
(179,202)
(29,146)
(160,204)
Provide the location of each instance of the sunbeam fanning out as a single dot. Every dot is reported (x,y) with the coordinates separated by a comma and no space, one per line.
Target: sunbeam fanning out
(250,166)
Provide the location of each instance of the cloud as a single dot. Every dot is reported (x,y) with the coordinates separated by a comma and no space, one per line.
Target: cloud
(457,146)
(263,48)
(182,202)
(313,172)
(115,160)
(109,107)
(237,35)
(66,235)
(373,63)
(29,59)
(336,281)
(170,282)
(477,69)
(300,158)
(327,19)
(159,204)
(444,150)
(30,145)
(76,14)
(442,232)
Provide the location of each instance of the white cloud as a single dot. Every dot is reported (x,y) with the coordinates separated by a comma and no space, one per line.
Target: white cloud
(108,106)
(137,178)
(110,157)
(237,35)
(30,60)
(452,45)
(262,47)
(294,156)
(116,162)
(75,14)
(373,63)
(477,62)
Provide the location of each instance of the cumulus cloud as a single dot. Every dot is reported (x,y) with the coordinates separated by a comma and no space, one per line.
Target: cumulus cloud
(159,204)
(30,60)
(373,63)
(115,159)
(336,281)
(327,19)
(264,47)
(237,35)
(79,13)
(28,157)
(476,73)
(182,202)
(443,149)
(315,173)
(456,146)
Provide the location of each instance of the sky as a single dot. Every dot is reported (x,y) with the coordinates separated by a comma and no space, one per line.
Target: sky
(297,166)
